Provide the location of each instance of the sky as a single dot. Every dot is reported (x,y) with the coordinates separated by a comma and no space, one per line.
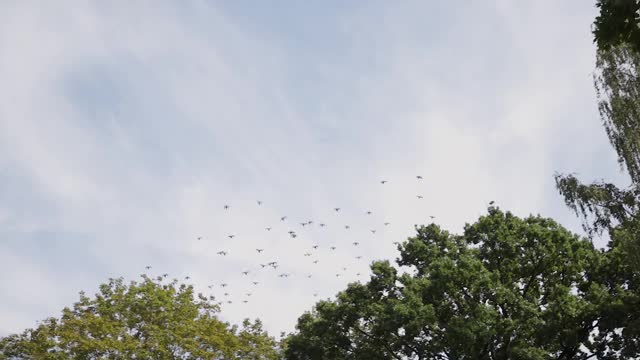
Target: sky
(125,127)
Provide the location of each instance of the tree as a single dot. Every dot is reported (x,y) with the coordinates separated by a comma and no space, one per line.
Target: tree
(146,320)
(617,23)
(507,288)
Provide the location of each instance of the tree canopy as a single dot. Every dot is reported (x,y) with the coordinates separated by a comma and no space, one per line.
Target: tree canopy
(145,320)
(507,288)
(617,23)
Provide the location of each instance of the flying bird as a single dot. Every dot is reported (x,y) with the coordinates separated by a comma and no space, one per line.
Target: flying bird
(303,224)
(491,202)
(355,243)
(259,250)
(337,275)
(268,228)
(347,227)
(248,294)
(336,209)
(419,196)
(223,253)
(231,236)
(307,254)
(224,285)
(210,286)
(315,261)
(309,222)
(284,275)
(373,231)
(432,217)
(358,257)
(165,275)
(199,237)
(315,294)
(344,269)
(255,283)
(283,218)
(315,246)
(187,278)
(245,301)
(309,276)
(322,225)
(383,182)
(227,207)
(229,302)
(259,202)
(358,274)
(386,224)
(147,267)
(226,294)
(245,273)
(419,177)
(369,212)
(333,248)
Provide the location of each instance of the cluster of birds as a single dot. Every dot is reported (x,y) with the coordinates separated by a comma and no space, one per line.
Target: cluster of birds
(274,264)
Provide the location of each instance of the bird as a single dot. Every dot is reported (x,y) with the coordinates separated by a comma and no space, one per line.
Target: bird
(358,274)
(395,243)
(419,196)
(315,294)
(259,202)
(210,286)
(224,284)
(333,248)
(369,212)
(255,283)
(227,207)
(283,218)
(245,301)
(373,231)
(432,217)
(165,275)
(491,202)
(309,276)
(383,182)
(248,294)
(322,225)
(231,236)
(187,278)
(275,266)
(268,228)
(344,269)
(284,275)
(272,263)
(419,177)
(355,243)
(386,224)
(307,254)
(337,275)
(263,265)
(303,224)
(147,267)
(226,294)
(199,237)
(229,302)
(347,227)
(223,253)
(315,261)
(315,246)
(358,257)
(259,250)
(309,222)
(245,273)
(336,209)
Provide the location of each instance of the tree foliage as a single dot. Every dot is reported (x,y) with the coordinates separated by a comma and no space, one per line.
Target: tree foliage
(145,320)
(507,288)
(617,23)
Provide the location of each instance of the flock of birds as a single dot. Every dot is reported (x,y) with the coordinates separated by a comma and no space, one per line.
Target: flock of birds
(222,288)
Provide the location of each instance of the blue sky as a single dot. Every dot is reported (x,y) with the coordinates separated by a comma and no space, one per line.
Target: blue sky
(125,128)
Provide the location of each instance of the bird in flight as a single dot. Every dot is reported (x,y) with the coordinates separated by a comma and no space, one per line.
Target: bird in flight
(248,294)
(419,177)
(315,294)
(284,275)
(303,223)
(272,263)
(199,237)
(245,301)
(245,273)
(315,246)
(332,248)
(383,182)
(315,261)
(373,231)
(255,283)
(419,196)
(358,274)
(309,276)
(336,209)
(355,243)
(259,202)
(165,275)
(337,275)
(432,217)
(386,224)
(224,285)
(322,225)
(358,257)
(227,207)
(263,265)
(347,227)
(491,202)
(283,218)
(147,267)
(223,253)
(231,236)
(344,269)
(369,212)
(268,228)
(307,254)
(210,286)
(259,250)
(395,243)
(309,222)
(187,278)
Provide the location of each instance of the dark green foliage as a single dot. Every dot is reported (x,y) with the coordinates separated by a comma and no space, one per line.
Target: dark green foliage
(508,288)
(617,23)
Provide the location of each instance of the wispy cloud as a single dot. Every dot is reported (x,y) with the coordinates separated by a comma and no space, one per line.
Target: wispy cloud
(125,129)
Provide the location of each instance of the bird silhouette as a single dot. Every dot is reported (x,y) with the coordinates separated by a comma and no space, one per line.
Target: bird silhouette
(309,276)
(245,273)
(383,182)
(347,227)
(255,283)
(187,278)
(263,265)
(268,228)
(344,269)
(315,246)
(283,218)
(248,294)
(355,243)
(199,238)
(322,225)
(227,207)
(259,202)
(307,254)
(419,196)
(231,236)
(337,275)
(369,212)
(245,301)
(165,275)
(284,275)
(432,217)
(419,177)
(315,261)
(224,285)
(210,286)
(358,274)
(358,257)
(332,248)
(147,267)
(315,294)
(491,202)
(336,209)
(259,250)
(373,231)
(229,302)
(386,224)
(223,253)
(303,224)
(226,294)
(309,222)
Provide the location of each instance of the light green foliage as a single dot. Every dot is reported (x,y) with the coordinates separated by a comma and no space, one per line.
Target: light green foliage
(146,320)
(508,288)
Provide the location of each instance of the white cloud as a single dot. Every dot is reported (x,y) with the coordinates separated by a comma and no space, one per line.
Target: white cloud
(126,129)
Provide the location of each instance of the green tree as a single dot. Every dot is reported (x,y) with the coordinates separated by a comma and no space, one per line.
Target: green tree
(145,320)
(507,288)
(617,23)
